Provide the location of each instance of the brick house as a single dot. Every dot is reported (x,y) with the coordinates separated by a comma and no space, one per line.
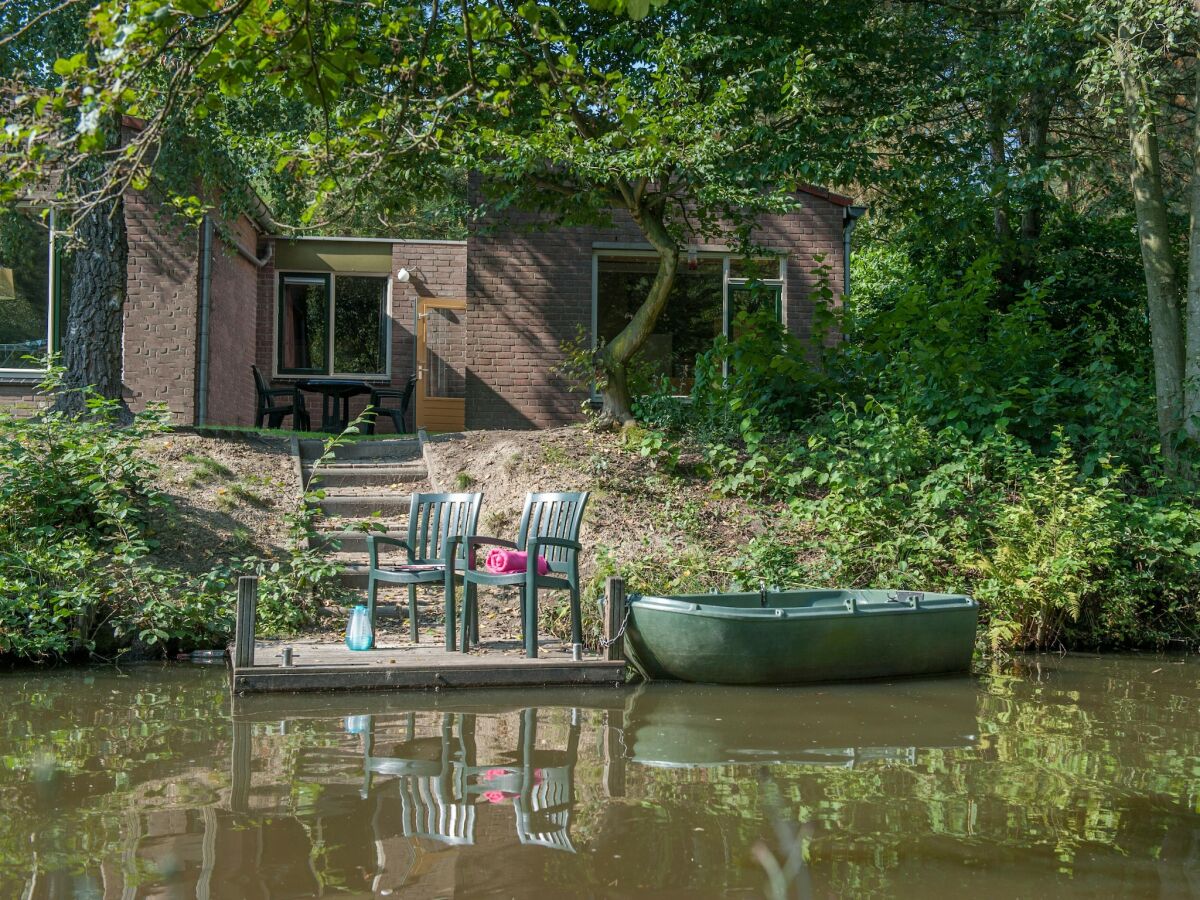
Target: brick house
(481,322)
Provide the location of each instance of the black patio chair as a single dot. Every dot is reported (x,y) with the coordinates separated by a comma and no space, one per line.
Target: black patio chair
(273,412)
(396,413)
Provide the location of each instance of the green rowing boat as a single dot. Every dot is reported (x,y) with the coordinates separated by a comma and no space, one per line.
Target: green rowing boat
(792,637)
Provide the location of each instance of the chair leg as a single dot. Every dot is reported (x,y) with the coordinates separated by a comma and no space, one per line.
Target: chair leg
(450,601)
(372,586)
(531,623)
(275,420)
(576,617)
(469,601)
(412,612)
(475,623)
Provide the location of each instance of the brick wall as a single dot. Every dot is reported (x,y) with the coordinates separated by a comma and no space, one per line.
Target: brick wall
(160,337)
(232,324)
(19,397)
(530,290)
(161,308)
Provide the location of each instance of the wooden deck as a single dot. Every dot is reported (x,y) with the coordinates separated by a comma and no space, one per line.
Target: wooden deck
(332,667)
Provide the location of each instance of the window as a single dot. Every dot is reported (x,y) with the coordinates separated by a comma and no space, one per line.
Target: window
(33,278)
(333,325)
(706,296)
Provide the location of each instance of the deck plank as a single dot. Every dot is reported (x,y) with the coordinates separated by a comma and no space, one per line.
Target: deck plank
(332,667)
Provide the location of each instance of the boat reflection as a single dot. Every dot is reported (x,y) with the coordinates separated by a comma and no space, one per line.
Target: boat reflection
(688,725)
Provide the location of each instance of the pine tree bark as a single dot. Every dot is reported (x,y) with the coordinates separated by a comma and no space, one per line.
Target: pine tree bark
(614,359)
(95,308)
(1162,284)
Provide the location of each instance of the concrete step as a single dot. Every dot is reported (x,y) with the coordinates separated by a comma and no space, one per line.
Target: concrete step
(348,504)
(374,475)
(358,451)
(351,543)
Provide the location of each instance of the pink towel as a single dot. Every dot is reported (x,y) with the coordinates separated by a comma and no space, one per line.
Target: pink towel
(509,562)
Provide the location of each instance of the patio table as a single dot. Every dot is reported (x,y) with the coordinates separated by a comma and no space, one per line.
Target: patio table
(332,390)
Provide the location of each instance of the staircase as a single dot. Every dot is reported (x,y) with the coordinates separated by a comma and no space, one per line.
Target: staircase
(364,480)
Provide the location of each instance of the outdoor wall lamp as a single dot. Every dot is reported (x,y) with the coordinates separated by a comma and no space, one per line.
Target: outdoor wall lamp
(402,276)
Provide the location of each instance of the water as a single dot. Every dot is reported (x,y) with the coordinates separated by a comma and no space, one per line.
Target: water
(1056,776)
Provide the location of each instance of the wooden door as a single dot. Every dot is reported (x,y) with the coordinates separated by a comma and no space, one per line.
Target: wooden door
(441,365)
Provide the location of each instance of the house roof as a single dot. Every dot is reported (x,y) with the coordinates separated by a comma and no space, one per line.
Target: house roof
(836,199)
(259,213)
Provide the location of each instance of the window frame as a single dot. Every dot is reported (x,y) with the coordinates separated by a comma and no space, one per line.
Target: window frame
(54,303)
(727,282)
(330,279)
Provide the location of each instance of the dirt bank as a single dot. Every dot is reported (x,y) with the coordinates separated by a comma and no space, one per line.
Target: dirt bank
(639,516)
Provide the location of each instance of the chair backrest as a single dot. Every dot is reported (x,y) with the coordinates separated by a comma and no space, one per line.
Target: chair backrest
(435,518)
(428,809)
(543,812)
(261,386)
(553,515)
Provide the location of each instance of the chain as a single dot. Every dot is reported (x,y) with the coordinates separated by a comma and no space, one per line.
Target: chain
(620,631)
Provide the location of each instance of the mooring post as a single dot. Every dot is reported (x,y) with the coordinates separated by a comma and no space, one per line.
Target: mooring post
(614,753)
(240,760)
(614,618)
(243,635)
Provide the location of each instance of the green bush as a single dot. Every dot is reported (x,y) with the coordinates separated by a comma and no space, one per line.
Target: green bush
(78,570)
(965,439)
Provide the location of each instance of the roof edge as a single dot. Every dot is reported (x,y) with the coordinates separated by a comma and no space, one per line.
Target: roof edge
(835,199)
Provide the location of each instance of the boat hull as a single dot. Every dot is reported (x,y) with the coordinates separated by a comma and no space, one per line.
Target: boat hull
(800,636)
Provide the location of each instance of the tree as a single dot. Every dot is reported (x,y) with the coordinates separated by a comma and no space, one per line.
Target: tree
(1145,57)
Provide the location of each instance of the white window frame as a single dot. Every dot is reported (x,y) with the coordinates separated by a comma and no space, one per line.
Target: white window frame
(51,306)
(727,282)
(384,377)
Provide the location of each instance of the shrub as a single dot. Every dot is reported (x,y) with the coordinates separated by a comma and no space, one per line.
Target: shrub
(78,572)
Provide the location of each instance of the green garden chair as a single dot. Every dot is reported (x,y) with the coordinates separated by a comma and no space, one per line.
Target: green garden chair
(549,528)
(436,525)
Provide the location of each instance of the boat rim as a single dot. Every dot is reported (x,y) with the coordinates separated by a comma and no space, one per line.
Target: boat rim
(853,603)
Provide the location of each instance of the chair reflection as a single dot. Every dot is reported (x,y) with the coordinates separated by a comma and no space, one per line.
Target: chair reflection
(441,783)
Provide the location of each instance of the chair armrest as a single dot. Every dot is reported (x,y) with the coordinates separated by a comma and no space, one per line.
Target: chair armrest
(282,392)
(536,542)
(386,392)
(475,541)
(375,540)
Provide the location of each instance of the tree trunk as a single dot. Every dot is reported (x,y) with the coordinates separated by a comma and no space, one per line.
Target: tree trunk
(95,309)
(1162,286)
(1034,138)
(614,359)
(1191,393)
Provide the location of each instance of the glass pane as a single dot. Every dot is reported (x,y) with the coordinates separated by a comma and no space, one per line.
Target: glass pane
(687,326)
(24,288)
(360,325)
(304,325)
(752,298)
(764,268)
(444,370)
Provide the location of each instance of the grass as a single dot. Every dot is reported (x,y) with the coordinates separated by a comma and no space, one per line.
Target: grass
(463,481)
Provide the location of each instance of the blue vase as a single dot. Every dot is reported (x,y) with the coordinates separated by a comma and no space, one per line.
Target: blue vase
(358,630)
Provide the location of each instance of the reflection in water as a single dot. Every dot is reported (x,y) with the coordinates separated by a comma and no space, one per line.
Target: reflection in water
(1069,774)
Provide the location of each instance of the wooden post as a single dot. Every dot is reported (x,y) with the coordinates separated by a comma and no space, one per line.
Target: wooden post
(243,636)
(614,754)
(239,780)
(614,618)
